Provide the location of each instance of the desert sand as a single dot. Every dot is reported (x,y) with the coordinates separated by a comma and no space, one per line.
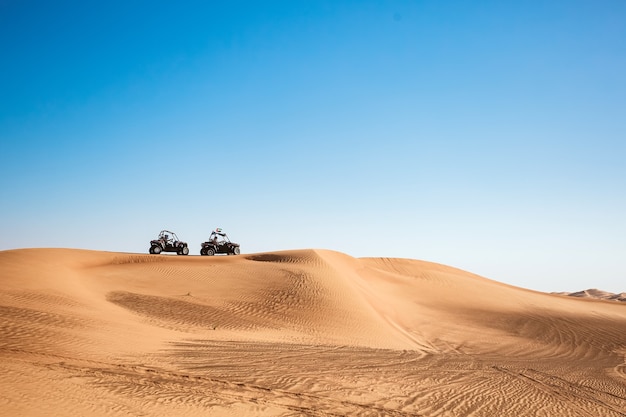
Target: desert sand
(295,333)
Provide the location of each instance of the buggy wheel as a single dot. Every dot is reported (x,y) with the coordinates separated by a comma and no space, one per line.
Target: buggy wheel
(202,252)
(184,250)
(150,250)
(156,249)
(236,251)
(210,251)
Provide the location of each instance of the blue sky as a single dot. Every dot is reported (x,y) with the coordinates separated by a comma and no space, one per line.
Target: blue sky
(485,135)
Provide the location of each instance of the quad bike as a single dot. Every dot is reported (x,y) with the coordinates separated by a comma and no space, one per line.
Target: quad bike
(168,242)
(219,243)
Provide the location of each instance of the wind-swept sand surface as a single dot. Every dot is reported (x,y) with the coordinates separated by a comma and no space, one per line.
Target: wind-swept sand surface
(303,332)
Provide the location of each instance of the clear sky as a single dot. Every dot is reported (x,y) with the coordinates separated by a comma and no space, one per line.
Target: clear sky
(485,135)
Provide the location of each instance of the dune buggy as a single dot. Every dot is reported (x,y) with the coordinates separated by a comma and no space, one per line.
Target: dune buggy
(219,243)
(168,242)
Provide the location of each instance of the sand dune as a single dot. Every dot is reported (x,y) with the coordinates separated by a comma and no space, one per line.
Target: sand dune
(597,294)
(303,332)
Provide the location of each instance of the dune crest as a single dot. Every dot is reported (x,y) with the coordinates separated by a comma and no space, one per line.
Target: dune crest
(301,332)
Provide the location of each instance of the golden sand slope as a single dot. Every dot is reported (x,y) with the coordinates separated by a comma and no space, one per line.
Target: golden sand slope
(307,332)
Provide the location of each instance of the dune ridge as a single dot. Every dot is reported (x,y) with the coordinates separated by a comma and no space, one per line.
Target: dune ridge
(596,294)
(300,332)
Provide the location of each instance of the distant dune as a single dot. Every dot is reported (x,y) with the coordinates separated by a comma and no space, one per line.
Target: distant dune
(596,294)
(291,333)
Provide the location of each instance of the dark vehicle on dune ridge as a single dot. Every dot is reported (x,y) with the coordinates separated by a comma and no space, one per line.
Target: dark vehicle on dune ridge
(219,243)
(168,242)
